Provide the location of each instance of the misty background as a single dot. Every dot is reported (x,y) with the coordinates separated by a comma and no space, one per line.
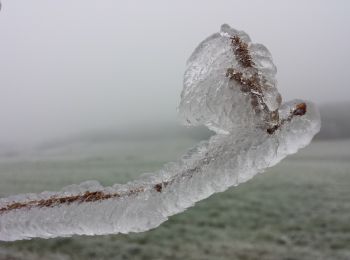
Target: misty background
(89,91)
(74,67)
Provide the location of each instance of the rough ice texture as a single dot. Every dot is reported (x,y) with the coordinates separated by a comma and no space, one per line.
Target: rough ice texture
(229,86)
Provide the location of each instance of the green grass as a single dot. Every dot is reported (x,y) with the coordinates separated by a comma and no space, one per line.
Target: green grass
(299,209)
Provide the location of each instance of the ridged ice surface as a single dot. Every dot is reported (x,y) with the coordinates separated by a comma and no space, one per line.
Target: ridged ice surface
(241,109)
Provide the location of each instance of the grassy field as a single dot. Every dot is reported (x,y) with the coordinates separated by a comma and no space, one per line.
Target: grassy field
(299,209)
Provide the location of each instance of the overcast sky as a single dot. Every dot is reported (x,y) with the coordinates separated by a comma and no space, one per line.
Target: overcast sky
(69,66)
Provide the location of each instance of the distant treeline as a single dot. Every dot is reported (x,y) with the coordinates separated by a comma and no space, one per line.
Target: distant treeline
(335,123)
(335,119)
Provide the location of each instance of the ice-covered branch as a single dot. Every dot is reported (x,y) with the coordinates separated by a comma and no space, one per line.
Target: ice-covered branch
(229,86)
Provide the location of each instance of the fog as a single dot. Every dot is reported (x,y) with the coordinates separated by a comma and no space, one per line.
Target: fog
(76,66)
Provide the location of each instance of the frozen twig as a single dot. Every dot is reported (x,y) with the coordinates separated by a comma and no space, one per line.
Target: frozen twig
(229,86)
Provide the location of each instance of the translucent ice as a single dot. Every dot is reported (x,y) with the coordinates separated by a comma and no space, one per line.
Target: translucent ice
(229,86)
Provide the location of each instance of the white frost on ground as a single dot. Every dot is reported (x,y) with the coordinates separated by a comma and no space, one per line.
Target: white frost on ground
(241,148)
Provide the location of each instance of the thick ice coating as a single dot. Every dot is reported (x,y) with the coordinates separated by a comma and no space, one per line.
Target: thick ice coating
(213,92)
(229,86)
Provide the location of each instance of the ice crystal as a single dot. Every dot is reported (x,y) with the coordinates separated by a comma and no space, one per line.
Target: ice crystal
(229,86)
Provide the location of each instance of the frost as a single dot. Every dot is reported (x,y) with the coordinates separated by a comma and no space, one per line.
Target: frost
(229,86)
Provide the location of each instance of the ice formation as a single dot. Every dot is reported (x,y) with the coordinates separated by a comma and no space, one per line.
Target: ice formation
(229,86)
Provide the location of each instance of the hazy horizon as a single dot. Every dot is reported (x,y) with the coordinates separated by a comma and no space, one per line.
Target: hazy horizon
(69,67)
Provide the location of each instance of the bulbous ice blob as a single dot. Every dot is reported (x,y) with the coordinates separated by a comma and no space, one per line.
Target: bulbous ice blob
(229,86)
(213,99)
